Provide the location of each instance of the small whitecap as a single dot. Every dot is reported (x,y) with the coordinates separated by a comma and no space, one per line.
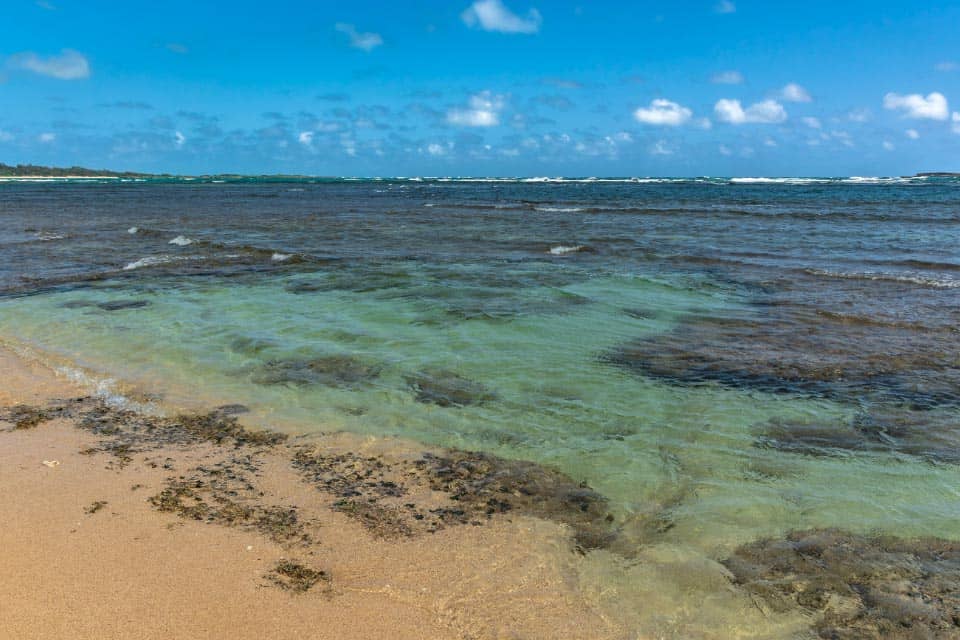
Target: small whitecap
(281,257)
(564,250)
(133,230)
(181,241)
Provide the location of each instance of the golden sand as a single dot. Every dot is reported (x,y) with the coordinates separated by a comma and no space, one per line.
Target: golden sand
(124,569)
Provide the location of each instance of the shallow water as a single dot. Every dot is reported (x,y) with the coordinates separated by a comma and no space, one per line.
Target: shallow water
(704,353)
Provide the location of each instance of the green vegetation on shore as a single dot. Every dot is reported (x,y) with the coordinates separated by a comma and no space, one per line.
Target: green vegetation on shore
(29,170)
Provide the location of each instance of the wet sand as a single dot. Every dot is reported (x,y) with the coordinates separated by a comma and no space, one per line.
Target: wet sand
(88,552)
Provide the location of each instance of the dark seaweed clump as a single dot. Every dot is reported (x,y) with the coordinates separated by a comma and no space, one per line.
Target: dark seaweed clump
(858,587)
(782,349)
(476,486)
(447,389)
(223,493)
(933,437)
(26,417)
(338,371)
(297,578)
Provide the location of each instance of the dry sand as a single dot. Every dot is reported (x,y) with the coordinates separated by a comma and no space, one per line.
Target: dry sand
(127,570)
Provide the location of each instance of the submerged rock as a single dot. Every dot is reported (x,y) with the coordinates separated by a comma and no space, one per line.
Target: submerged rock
(777,348)
(120,305)
(858,587)
(339,371)
(447,389)
(934,437)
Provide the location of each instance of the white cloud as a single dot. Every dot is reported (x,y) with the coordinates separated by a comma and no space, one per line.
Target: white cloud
(947,65)
(955,126)
(660,148)
(889,146)
(725,6)
(913,134)
(439,150)
(358,40)
(914,105)
(663,113)
(177,47)
(69,65)
(725,150)
(795,93)
(492,15)
(47,138)
(859,115)
(705,123)
(766,112)
(727,77)
(305,138)
(5,136)
(484,111)
(769,142)
(180,138)
(813,123)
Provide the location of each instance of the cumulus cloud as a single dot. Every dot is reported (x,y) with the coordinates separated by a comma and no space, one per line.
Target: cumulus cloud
(947,65)
(914,105)
(725,6)
(359,40)
(889,146)
(795,93)
(660,148)
(305,138)
(47,138)
(859,115)
(68,65)
(727,77)
(179,138)
(913,134)
(493,15)
(663,113)
(955,122)
(766,112)
(483,111)
(813,123)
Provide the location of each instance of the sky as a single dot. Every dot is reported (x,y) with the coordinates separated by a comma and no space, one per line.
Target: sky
(483,88)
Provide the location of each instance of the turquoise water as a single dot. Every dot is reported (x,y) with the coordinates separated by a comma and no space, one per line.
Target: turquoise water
(532,331)
(672,343)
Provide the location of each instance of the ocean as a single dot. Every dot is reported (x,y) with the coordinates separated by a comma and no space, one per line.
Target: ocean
(730,359)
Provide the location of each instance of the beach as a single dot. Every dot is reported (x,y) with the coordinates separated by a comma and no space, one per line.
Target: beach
(531,408)
(125,569)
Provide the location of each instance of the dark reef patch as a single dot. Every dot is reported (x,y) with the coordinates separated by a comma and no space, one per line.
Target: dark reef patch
(338,371)
(447,389)
(858,587)
(779,348)
(930,436)
(121,305)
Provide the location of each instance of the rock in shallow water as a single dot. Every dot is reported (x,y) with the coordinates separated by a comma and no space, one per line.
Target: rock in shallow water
(338,371)
(447,389)
(858,587)
(792,349)
(930,436)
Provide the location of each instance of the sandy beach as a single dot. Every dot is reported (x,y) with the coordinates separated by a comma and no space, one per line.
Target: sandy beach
(88,553)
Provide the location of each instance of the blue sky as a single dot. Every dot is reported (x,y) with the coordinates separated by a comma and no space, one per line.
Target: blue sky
(491,87)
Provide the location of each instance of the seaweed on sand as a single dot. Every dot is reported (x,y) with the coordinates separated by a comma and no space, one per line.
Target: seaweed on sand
(474,486)
(297,578)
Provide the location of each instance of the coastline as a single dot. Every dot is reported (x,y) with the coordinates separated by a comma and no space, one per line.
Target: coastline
(89,554)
